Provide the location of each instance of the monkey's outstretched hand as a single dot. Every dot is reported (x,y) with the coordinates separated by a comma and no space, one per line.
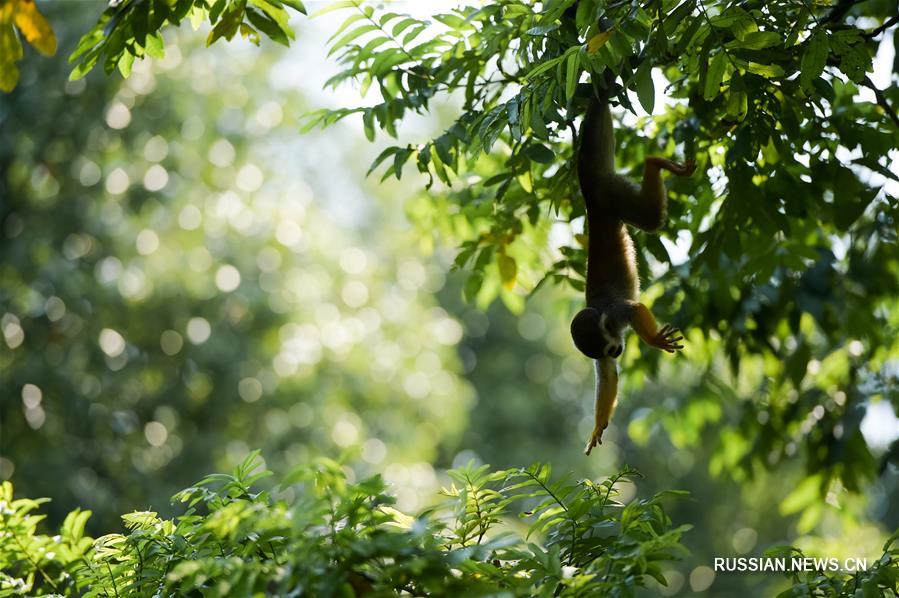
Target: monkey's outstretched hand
(595,439)
(668,339)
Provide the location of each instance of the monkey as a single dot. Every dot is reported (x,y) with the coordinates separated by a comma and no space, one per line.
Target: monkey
(612,286)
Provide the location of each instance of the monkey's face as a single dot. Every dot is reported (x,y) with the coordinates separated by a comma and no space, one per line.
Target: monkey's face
(611,335)
(596,335)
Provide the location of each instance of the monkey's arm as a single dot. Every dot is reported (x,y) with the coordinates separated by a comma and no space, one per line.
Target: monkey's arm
(606,397)
(644,324)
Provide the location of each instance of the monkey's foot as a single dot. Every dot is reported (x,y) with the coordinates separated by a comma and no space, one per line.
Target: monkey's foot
(595,439)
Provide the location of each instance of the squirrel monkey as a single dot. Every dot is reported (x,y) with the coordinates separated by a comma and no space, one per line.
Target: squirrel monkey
(612,284)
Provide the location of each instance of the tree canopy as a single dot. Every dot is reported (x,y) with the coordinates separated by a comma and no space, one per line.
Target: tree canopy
(780,258)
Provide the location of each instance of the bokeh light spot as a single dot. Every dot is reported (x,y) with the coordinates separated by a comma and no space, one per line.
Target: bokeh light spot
(353,260)
(13,333)
(89,174)
(249,178)
(190,217)
(170,342)
(31,396)
(146,242)
(354,294)
(221,153)
(156,149)
(156,178)
(227,278)
(111,342)
(117,181)
(198,330)
(701,578)
(155,433)
(745,540)
(118,116)
(250,390)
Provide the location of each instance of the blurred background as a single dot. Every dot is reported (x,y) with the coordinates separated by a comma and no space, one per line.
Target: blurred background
(185,277)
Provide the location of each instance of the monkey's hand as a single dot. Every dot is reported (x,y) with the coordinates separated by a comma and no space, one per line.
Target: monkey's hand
(595,439)
(668,339)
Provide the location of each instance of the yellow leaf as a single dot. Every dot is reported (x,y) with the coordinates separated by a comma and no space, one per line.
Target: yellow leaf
(599,40)
(508,270)
(10,52)
(34,27)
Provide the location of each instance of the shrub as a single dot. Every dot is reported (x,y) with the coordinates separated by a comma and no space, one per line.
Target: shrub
(326,536)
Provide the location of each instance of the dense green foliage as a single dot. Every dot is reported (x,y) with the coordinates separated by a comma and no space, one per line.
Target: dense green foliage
(127,207)
(316,533)
(326,536)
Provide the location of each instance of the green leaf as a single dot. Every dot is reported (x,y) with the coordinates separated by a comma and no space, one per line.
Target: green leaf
(336,6)
(269,26)
(404,24)
(125,63)
(714,76)
(155,46)
(538,153)
(757,40)
(355,33)
(542,29)
(770,71)
(228,25)
(814,59)
(571,75)
(473,285)
(737,99)
(737,20)
(646,91)
(278,15)
(296,5)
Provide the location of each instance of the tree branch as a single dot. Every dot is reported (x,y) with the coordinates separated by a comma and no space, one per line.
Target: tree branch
(886,25)
(839,11)
(882,101)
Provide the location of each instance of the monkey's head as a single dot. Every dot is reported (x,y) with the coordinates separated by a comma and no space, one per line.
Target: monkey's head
(596,335)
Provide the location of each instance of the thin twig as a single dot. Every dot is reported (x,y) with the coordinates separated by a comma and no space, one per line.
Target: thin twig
(882,101)
(886,25)
(839,11)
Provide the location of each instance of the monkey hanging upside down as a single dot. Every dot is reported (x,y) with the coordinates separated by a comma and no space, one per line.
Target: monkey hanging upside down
(612,283)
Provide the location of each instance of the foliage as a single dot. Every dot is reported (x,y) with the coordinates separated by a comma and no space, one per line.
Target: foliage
(21,15)
(879,579)
(766,101)
(783,268)
(319,534)
(130,30)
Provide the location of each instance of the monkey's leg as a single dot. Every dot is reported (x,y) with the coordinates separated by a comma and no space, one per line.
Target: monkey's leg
(647,208)
(606,398)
